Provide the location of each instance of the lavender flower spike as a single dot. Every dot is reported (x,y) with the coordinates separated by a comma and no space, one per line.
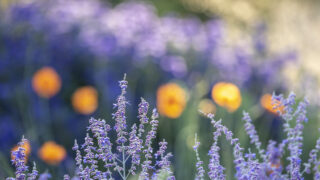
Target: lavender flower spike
(33,175)
(143,110)
(254,138)
(19,161)
(120,115)
(200,169)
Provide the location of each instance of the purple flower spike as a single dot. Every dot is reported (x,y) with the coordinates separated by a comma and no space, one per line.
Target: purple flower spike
(199,164)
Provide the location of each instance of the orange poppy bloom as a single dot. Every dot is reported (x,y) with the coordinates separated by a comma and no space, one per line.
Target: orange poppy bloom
(46,82)
(227,95)
(171,100)
(52,153)
(85,100)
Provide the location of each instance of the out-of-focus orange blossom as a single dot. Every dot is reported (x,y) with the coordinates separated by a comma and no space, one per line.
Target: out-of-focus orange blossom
(171,100)
(266,103)
(27,150)
(52,153)
(275,165)
(46,82)
(206,106)
(85,100)
(227,95)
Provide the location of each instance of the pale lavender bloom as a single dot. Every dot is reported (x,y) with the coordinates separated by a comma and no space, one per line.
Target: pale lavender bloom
(215,168)
(313,160)
(174,64)
(199,164)
(19,161)
(44,176)
(100,130)
(134,149)
(33,175)
(148,151)
(78,159)
(66,177)
(237,150)
(164,163)
(254,138)
(274,167)
(89,158)
(120,115)
(254,168)
(143,110)
(294,135)
(172,31)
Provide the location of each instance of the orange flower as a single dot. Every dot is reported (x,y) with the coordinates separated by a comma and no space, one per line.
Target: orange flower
(26,146)
(85,100)
(52,153)
(171,100)
(273,166)
(227,95)
(266,102)
(206,106)
(46,82)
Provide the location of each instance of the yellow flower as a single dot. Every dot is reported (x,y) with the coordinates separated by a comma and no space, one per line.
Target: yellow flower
(26,146)
(46,82)
(227,95)
(52,153)
(85,100)
(206,106)
(266,102)
(171,100)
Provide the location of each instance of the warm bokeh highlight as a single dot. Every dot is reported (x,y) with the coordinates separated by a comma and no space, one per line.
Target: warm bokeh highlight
(227,95)
(266,103)
(171,100)
(206,106)
(85,100)
(52,153)
(46,82)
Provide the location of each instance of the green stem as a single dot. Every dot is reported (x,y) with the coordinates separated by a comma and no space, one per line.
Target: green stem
(123,163)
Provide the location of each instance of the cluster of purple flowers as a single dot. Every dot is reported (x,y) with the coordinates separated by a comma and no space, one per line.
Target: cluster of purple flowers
(269,165)
(131,153)
(133,30)
(22,170)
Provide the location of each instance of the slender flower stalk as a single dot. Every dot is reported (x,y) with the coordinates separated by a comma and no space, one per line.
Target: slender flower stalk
(254,138)
(294,134)
(313,160)
(199,164)
(148,151)
(163,163)
(237,150)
